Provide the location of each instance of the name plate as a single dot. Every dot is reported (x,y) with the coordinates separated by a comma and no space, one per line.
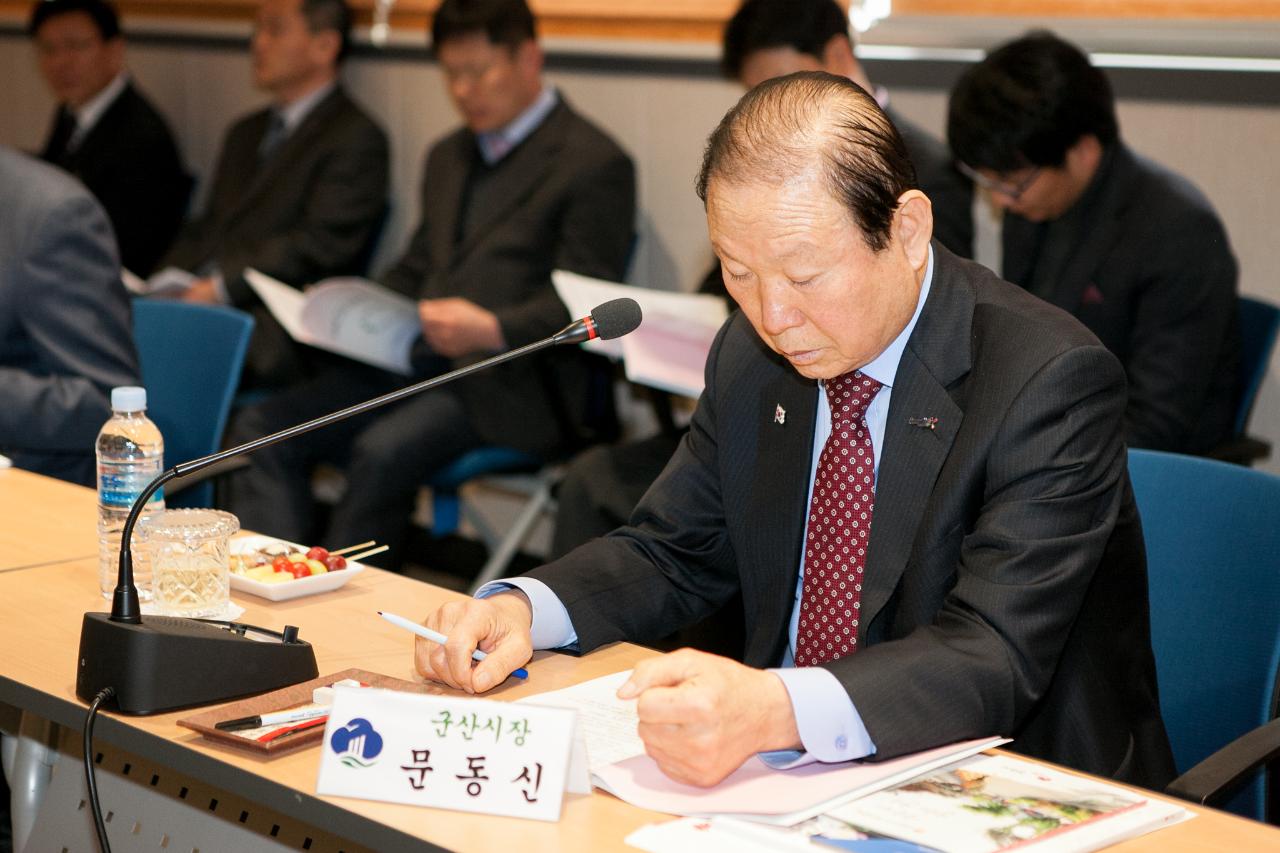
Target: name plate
(473,755)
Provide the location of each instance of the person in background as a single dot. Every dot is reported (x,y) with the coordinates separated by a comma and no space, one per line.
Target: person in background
(300,188)
(1133,250)
(526,186)
(912,472)
(65,334)
(105,130)
(770,38)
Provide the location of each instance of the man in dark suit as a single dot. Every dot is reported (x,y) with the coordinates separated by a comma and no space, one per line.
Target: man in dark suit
(764,39)
(1134,251)
(300,188)
(971,562)
(770,38)
(65,335)
(105,131)
(527,186)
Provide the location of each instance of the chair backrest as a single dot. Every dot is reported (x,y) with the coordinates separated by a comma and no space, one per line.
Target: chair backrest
(1259,325)
(191,356)
(1212,533)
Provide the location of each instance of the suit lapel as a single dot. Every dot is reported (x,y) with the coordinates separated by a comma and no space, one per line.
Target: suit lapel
(1094,234)
(283,161)
(524,170)
(777,510)
(442,199)
(936,355)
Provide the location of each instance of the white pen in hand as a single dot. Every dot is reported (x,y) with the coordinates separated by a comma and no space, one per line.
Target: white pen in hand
(437,637)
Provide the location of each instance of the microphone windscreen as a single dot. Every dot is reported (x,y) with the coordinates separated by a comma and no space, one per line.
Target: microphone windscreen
(616,318)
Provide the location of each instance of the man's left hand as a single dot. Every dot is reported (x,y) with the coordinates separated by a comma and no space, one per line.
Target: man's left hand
(454,327)
(202,290)
(702,716)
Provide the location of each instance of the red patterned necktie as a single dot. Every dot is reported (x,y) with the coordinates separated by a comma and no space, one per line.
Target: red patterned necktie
(839,526)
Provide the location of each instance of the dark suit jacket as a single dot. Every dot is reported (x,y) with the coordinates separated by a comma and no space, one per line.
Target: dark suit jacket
(562,199)
(128,159)
(950,191)
(313,209)
(1005,590)
(65,334)
(1144,262)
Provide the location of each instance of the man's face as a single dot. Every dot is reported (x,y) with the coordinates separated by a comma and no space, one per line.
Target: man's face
(770,62)
(286,53)
(1036,193)
(798,267)
(75,60)
(489,84)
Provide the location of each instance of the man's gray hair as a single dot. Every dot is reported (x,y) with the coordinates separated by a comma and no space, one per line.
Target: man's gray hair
(786,125)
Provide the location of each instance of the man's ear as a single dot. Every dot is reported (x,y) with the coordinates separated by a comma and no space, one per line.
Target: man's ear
(528,57)
(837,56)
(913,226)
(327,44)
(115,54)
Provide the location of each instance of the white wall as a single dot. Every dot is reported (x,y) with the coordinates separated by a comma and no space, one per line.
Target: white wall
(662,116)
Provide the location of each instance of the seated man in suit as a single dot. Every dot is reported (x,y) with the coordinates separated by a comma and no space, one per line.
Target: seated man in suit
(300,188)
(764,39)
(65,337)
(913,473)
(527,186)
(105,131)
(770,38)
(1133,250)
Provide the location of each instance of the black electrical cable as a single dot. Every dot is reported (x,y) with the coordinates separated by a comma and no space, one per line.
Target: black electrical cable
(89,777)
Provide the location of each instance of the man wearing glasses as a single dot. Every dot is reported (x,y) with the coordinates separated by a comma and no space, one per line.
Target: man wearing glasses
(1134,251)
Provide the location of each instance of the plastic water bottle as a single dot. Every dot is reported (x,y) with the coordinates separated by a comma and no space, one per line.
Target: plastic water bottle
(130,455)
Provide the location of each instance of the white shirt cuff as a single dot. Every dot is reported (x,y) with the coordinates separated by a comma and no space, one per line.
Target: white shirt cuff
(551,627)
(831,730)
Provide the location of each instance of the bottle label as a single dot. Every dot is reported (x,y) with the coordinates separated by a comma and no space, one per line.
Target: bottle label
(120,485)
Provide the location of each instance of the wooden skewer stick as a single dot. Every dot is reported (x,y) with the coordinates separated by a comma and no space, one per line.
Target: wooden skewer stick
(351,548)
(368,553)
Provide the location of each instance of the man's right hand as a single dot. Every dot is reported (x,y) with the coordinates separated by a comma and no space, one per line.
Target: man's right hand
(497,625)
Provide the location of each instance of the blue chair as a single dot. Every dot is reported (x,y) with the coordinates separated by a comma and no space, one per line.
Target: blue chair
(1259,327)
(508,470)
(191,356)
(1212,534)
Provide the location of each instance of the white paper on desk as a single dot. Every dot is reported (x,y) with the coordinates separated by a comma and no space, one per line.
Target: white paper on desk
(670,348)
(350,316)
(606,729)
(167,280)
(5,461)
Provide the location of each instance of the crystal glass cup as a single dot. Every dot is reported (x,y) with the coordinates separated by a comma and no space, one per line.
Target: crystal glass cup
(189,551)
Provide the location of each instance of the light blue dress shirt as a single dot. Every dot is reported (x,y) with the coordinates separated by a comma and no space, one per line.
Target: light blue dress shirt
(830,727)
(498,143)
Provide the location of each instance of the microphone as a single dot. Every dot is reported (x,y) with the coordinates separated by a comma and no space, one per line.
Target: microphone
(613,319)
(159,663)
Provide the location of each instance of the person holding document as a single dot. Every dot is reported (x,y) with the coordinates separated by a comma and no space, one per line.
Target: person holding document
(525,187)
(299,190)
(913,472)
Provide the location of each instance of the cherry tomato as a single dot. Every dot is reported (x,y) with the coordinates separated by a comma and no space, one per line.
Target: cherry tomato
(318,553)
(300,570)
(280,563)
(335,562)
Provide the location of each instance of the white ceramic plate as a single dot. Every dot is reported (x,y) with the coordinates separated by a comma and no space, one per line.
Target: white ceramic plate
(294,588)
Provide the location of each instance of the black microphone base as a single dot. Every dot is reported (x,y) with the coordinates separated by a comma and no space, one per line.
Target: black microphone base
(167,663)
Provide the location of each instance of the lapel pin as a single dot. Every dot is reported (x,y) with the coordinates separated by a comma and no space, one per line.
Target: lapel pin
(780,415)
(923,423)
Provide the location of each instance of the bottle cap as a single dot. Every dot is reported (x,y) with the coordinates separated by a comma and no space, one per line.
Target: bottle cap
(128,398)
